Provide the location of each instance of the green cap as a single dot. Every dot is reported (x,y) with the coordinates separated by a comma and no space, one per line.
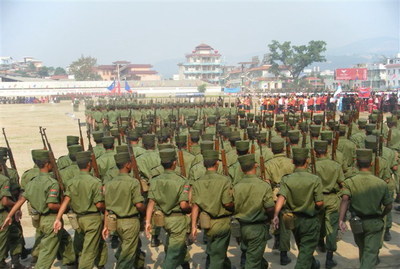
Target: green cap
(279,117)
(190,122)
(122,158)
(72,140)
(370,142)
(198,126)
(307,115)
(97,135)
(122,148)
(165,146)
(342,127)
(362,123)
(242,145)
(211,155)
(277,143)
(293,134)
(167,155)
(114,132)
(83,157)
(373,118)
(246,160)
(318,117)
(370,127)
(235,136)
(243,123)
(72,150)
(3,153)
(262,135)
(108,140)
(327,135)
(364,155)
(315,129)
(181,139)
(321,146)
(211,119)
(41,155)
(194,134)
(133,134)
(300,154)
(149,140)
(303,126)
(206,145)
(250,116)
(208,137)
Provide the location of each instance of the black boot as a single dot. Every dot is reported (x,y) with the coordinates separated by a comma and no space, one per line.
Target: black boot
(185,265)
(321,246)
(387,236)
(25,253)
(315,264)
(242,259)
(15,262)
(330,263)
(155,242)
(276,242)
(285,260)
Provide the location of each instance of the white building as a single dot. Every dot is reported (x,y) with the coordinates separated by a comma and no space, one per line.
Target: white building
(376,76)
(203,63)
(393,72)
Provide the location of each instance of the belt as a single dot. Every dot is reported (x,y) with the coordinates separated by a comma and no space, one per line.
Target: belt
(87,214)
(47,214)
(367,217)
(128,217)
(274,186)
(175,214)
(251,223)
(303,215)
(221,217)
(327,193)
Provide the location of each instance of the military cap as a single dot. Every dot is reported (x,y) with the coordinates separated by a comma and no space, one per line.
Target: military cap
(122,158)
(362,123)
(165,146)
(292,121)
(277,143)
(198,126)
(370,127)
(251,132)
(269,122)
(149,139)
(300,154)
(371,142)
(342,127)
(293,134)
(211,155)
(315,129)
(3,152)
(167,155)
(391,119)
(250,116)
(72,140)
(83,156)
(133,134)
(97,135)
(307,115)
(225,130)
(364,155)
(40,155)
(108,140)
(345,118)
(321,145)
(243,123)
(319,117)
(247,160)
(373,118)
(258,118)
(279,117)
(206,145)
(242,145)
(282,128)
(242,113)
(262,135)
(278,123)
(190,122)
(235,135)
(114,132)
(72,150)
(194,134)
(331,124)
(211,119)
(326,135)
(303,126)
(208,137)
(181,139)
(122,148)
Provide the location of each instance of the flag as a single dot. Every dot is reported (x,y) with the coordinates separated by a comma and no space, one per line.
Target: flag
(111,88)
(339,90)
(364,92)
(119,87)
(127,87)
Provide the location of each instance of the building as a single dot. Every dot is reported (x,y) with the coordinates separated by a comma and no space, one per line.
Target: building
(127,71)
(393,72)
(376,76)
(203,63)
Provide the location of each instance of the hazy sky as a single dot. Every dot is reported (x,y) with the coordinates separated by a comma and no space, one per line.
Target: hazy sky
(58,32)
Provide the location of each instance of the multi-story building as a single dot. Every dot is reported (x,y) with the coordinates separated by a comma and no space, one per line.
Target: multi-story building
(127,71)
(376,76)
(204,63)
(393,72)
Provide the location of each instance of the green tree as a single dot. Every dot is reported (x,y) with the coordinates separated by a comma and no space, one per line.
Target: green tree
(43,71)
(31,67)
(295,58)
(83,68)
(59,71)
(202,88)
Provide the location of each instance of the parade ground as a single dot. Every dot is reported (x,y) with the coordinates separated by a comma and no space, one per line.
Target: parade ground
(21,122)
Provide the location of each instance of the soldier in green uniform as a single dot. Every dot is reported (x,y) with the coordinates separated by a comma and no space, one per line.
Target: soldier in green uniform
(253,204)
(99,149)
(332,177)
(211,195)
(65,161)
(369,201)
(234,170)
(169,193)
(301,196)
(189,159)
(275,169)
(71,170)
(346,147)
(194,142)
(46,206)
(126,207)
(133,137)
(106,161)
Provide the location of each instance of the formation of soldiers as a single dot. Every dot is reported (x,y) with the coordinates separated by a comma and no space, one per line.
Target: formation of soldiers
(177,168)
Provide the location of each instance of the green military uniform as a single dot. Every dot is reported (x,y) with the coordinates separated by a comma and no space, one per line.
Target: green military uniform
(98,150)
(189,160)
(252,196)
(167,191)
(4,234)
(72,170)
(85,192)
(149,162)
(50,242)
(210,193)
(367,196)
(234,170)
(65,161)
(301,191)
(123,206)
(106,161)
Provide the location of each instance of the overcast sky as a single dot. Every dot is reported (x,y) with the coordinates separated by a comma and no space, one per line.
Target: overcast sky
(58,32)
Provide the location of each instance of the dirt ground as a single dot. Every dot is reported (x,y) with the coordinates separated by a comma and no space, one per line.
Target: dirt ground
(21,123)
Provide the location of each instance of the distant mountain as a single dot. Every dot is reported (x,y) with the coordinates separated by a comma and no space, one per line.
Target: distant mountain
(167,68)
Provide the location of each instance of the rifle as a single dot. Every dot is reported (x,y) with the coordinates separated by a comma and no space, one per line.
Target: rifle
(389,137)
(189,141)
(262,164)
(223,158)
(216,138)
(313,166)
(119,132)
(10,154)
(350,126)
(334,145)
(135,167)
(93,157)
(377,168)
(41,135)
(181,162)
(80,133)
(323,120)
(288,150)
(56,172)
(304,141)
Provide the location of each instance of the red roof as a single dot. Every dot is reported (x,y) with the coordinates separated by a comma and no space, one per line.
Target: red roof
(264,67)
(146,72)
(204,47)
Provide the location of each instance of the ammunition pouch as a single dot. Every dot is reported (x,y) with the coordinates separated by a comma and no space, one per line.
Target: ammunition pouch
(35,216)
(112,221)
(356,225)
(288,219)
(235,228)
(158,218)
(73,220)
(205,220)
(144,185)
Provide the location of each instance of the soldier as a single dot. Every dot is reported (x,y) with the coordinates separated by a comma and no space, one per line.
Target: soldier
(46,206)
(126,206)
(275,169)
(133,138)
(71,170)
(169,194)
(346,147)
(332,177)
(366,195)
(84,195)
(301,195)
(235,172)
(189,158)
(99,149)
(211,195)
(253,204)
(65,161)
(106,161)
(194,139)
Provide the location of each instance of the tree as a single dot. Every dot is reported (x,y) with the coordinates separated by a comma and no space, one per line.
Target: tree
(202,88)
(295,58)
(43,71)
(83,68)
(59,71)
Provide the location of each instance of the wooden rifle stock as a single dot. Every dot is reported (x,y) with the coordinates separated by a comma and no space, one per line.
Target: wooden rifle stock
(181,162)
(223,158)
(262,164)
(80,134)
(93,157)
(53,162)
(313,165)
(304,141)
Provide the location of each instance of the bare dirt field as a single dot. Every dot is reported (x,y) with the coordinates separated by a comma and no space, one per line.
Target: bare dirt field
(21,123)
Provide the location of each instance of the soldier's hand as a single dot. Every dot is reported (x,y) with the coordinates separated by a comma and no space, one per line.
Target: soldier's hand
(7,222)
(275,222)
(343,226)
(57,225)
(105,233)
(147,229)
(18,215)
(193,234)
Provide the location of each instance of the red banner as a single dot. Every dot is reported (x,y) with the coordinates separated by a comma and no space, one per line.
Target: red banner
(364,92)
(351,74)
